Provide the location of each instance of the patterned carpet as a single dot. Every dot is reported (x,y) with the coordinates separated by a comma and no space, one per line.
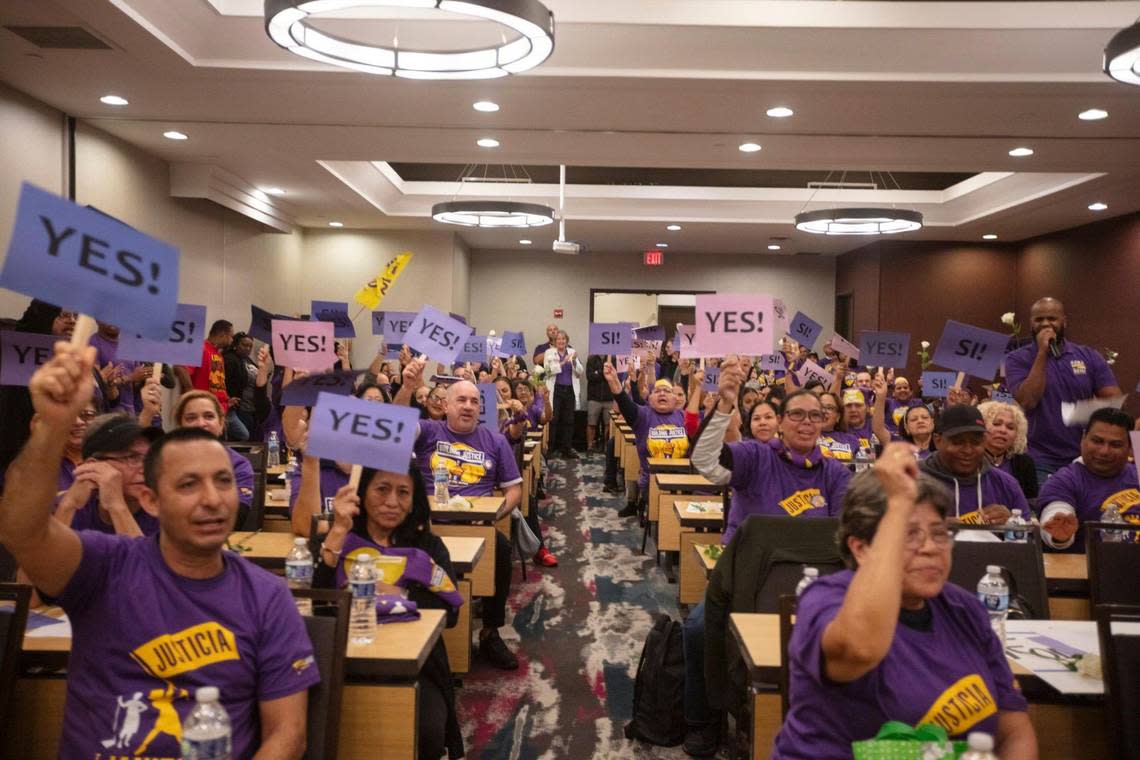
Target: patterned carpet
(578,630)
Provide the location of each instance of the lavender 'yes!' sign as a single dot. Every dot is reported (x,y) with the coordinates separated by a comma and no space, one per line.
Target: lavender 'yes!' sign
(21,354)
(437,335)
(735,323)
(804,330)
(349,429)
(304,391)
(937,384)
(970,349)
(337,313)
(609,338)
(392,324)
(488,406)
(883,349)
(304,345)
(474,350)
(183,345)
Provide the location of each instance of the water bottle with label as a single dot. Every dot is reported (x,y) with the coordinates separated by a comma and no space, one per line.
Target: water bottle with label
(862,459)
(810,576)
(1112,515)
(980,747)
(440,476)
(290,470)
(993,592)
(206,732)
(362,582)
(1016,536)
(273,448)
(299,573)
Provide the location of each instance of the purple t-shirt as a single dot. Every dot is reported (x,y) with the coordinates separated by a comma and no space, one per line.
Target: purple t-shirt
(867,439)
(769,479)
(895,411)
(87,517)
(332,480)
(477,462)
(839,445)
(997,487)
(107,351)
(534,413)
(1078,374)
(565,375)
(658,435)
(955,675)
(243,476)
(1090,495)
(144,639)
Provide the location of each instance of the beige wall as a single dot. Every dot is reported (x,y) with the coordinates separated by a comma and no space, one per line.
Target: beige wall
(625,307)
(512,290)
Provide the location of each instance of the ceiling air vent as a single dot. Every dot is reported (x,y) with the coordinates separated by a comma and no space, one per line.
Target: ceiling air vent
(807,253)
(60,37)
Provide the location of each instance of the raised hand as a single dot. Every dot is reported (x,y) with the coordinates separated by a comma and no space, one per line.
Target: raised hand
(61,388)
(346,506)
(897,470)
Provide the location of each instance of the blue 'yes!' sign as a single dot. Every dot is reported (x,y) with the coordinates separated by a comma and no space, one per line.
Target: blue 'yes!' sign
(88,262)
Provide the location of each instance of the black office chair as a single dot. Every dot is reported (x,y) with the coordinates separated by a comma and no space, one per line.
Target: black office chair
(1112,564)
(1022,561)
(258,455)
(1118,628)
(328,630)
(14,599)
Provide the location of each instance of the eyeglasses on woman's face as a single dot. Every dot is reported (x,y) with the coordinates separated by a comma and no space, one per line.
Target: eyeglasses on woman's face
(799,415)
(916,537)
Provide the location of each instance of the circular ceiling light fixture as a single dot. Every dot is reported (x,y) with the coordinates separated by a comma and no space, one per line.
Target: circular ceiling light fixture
(476,213)
(780,112)
(989,236)
(485,106)
(858,221)
(173,135)
(114,100)
(529,22)
(487,142)
(1021,152)
(1098,206)
(749,147)
(1122,55)
(674,228)
(1093,114)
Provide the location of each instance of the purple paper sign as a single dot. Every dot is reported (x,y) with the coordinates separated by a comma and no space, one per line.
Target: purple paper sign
(688,343)
(392,350)
(91,263)
(21,354)
(457,317)
(884,349)
(304,391)
(844,347)
(183,344)
(804,330)
(436,335)
(514,344)
(392,324)
(608,338)
(1002,396)
(811,371)
(337,313)
(488,406)
(349,429)
(621,364)
(712,379)
(1135,436)
(304,345)
(772,362)
(735,324)
(677,337)
(495,347)
(970,349)
(474,350)
(261,324)
(937,384)
(652,332)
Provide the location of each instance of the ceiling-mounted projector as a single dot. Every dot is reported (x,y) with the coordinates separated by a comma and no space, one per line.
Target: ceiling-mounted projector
(567,247)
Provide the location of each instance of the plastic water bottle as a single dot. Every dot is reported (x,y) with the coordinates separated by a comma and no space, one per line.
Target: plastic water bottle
(993,592)
(1112,515)
(362,581)
(440,477)
(862,459)
(290,469)
(981,747)
(299,572)
(1016,536)
(206,733)
(810,576)
(274,450)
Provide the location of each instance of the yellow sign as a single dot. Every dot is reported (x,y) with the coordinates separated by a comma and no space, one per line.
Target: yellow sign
(802,501)
(172,654)
(373,293)
(963,705)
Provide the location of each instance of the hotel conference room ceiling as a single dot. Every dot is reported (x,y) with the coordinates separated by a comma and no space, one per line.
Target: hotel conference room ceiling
(917,89)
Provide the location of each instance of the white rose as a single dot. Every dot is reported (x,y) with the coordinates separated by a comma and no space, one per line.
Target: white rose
(925,344)
(1007,318)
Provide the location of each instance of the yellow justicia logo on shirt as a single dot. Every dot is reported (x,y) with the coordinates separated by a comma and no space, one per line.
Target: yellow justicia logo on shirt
(802,501)
(1124,500)
(172,654)
(963,705)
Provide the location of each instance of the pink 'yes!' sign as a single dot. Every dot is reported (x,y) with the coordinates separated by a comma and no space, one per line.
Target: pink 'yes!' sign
(735,324)
(304,345)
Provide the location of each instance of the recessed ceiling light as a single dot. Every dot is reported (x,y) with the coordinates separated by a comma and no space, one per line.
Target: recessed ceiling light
(1098,206)
(272,190)
(487,142)
(662,245)
(172,135)
(749,147)
(780,112)
(336,224)
(1021,152)
(674,228)
(524,241)
(113,100)
(1093,114)
(486,106)
(989,236)
(773,247)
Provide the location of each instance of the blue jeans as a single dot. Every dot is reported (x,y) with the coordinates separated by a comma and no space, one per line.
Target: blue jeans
(236,430)
(1044,470)
(697,710)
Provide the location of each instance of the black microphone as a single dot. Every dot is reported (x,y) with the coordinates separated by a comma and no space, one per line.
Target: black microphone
(1054,349)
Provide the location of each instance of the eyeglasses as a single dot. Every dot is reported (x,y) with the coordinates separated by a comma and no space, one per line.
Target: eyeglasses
(87,415)
(916,537)
(830,408)
(799,415)
(436,399)
(134,459)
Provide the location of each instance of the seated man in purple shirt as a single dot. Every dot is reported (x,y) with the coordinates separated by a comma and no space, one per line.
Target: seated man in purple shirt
(107,484)
(890,639)
(155,619)
(1049,372)
(785,477)
(1084,490)
(901,399)
(477,460)
(983,494)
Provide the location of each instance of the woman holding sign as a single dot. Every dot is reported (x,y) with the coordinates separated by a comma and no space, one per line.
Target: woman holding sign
(388,516)
(563,372)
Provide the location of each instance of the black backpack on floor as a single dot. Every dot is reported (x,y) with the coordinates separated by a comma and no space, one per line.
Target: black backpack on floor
(658,690)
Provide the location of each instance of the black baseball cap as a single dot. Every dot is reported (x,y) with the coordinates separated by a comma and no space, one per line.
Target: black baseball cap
(115,432)
(960,418)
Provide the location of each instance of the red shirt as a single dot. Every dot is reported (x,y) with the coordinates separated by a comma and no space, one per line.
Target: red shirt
(211,374)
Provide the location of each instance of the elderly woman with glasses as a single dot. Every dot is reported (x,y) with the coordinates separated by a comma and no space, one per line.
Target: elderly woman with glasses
(890,639)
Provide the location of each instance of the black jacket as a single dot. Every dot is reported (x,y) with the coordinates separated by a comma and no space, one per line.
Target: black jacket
(597,389)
